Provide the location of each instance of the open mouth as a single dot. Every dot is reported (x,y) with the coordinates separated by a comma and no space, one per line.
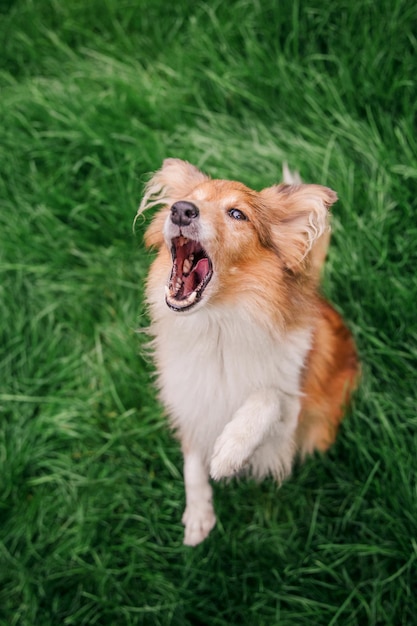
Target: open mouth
(190,275)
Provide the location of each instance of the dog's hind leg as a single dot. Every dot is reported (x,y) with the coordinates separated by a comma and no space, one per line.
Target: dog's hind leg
(331,377)
(198,517)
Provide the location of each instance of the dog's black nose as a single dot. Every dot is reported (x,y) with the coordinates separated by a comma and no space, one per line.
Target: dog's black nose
(183,213)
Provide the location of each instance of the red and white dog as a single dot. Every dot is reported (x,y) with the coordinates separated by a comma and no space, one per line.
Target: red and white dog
(254,366)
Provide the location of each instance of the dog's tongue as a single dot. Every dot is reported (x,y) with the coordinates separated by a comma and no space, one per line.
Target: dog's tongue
(198,274)
(202,269)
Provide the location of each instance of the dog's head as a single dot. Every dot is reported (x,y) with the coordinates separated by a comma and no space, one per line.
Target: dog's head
(226,239)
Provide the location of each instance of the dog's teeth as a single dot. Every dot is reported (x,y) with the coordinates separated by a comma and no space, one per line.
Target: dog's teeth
(174,288)
(186,266)
(191,258)
(191,297)
(167,292)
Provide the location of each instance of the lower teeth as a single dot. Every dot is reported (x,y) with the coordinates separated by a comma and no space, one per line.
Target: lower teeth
(182,303)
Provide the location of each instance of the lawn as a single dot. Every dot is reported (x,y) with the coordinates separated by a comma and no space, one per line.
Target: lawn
(94,95)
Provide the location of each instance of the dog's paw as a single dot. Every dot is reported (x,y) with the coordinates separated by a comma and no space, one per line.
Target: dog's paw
(198,520)
(231,454)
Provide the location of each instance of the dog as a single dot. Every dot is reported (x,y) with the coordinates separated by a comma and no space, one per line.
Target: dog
(254,366)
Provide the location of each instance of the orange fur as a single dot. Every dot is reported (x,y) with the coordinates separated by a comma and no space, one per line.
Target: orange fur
(331,376)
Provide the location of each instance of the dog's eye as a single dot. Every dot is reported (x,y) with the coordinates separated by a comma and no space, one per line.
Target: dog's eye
(237,215)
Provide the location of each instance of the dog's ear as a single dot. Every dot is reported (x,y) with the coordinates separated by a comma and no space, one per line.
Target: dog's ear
(298,217)
(172,182)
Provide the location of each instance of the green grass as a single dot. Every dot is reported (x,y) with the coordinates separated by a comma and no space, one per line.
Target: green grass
(93,96)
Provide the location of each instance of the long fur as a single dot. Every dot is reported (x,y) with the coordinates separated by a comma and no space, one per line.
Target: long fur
(260,367)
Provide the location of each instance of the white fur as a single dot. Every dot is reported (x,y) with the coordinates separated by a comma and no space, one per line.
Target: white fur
(290,177)
(198,517)
(232,390)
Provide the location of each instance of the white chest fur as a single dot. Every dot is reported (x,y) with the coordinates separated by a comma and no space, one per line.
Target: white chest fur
(209,362)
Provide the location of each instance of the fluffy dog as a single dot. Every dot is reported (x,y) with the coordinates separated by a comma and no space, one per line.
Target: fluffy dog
(253,365)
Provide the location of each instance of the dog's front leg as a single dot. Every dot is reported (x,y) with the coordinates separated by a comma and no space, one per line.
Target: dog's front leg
(267,416)
(198,516)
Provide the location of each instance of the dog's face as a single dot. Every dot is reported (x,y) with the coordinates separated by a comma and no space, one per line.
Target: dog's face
(212,232)
(225,239)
